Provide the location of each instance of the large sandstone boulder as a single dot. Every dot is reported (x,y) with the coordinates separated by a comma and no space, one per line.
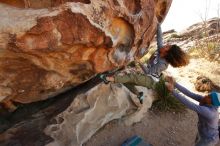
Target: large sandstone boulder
(49,46)
(79,120)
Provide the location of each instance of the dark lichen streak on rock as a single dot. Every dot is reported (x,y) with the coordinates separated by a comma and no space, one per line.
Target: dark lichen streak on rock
(115,2)
(161,9)
(82,70)
(133,6)
(25,78)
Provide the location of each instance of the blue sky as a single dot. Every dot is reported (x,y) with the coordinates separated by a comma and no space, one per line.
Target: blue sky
(184,13)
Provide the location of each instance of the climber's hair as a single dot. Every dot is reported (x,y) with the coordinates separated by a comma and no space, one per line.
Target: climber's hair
(176,57)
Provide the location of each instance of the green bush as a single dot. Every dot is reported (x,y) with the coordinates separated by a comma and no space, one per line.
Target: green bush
(165,101)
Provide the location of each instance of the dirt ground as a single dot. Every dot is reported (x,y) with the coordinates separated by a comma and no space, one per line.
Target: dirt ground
(159,129)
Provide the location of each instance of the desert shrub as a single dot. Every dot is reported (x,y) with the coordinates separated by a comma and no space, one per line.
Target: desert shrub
(174,35)
(165,100)
(206,49)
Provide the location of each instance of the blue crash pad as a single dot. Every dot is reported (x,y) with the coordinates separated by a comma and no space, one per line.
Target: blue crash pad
(135,141)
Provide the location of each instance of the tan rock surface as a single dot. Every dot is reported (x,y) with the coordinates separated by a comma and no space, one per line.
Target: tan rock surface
(92,110)
(68,122)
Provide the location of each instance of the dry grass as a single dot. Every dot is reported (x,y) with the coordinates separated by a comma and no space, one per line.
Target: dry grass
(165,101)
(207,48)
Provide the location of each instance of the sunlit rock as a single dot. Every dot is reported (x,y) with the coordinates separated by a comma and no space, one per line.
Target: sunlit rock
(45,50)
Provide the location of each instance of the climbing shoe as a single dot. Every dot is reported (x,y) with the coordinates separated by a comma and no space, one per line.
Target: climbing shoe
(141,97)
(103,77)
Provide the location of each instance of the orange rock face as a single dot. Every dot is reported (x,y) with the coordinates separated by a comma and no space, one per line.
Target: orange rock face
(39,3)
(45,50)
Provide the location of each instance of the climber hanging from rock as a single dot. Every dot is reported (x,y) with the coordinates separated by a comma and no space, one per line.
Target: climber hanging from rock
(152,67)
